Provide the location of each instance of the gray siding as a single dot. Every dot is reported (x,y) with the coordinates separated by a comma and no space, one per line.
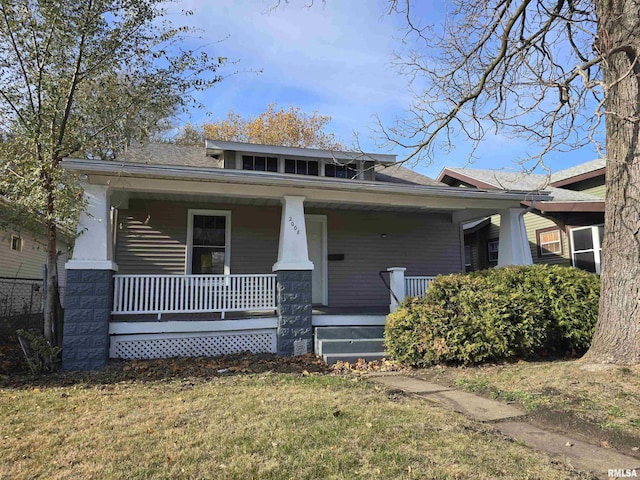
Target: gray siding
(426,244)
(152,239)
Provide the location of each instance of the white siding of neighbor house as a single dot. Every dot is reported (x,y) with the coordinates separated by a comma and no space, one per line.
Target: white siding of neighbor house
(26,263)
(152,240)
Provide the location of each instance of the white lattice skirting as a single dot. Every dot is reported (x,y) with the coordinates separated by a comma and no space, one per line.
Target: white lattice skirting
(199,344)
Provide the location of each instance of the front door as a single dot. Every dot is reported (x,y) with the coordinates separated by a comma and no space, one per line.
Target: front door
(316,243)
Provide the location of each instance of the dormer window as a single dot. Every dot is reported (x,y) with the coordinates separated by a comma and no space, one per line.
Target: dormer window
(260,164)
(301,167)
(349,170)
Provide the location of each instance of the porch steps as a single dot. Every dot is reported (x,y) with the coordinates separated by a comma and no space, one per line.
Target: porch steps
(349,343)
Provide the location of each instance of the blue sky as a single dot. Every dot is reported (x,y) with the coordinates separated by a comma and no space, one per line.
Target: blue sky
(333,58)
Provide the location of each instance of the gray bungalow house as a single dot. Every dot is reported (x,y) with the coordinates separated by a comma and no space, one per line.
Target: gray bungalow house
(189,251)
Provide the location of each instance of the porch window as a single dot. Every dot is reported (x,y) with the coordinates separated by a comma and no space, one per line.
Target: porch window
(208,241)
(586,245)
(549,242)
(260,164)
(349,170)
(301,167)
(492,250)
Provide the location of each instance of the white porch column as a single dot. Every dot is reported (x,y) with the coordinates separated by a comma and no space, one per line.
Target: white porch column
(293,253)
(93,248)
(514,244)
(397,286)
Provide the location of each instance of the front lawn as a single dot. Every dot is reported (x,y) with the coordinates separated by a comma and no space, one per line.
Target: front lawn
(268,425)
(601,402)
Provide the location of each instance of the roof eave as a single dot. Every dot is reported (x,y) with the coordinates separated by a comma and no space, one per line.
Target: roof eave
(108,168)
(546,206)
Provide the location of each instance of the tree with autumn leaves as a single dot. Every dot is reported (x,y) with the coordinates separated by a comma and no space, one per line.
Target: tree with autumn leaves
(84,78)
(289,127)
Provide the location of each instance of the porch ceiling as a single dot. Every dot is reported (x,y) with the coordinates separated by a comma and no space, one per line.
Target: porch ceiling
(272,202)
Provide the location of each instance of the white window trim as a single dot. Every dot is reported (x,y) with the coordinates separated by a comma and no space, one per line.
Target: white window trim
(322,219)
(597,247)
(489,250)
(227,237)
(542,244)
(20,243)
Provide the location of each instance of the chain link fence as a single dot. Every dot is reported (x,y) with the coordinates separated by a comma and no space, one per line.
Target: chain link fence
(21,307)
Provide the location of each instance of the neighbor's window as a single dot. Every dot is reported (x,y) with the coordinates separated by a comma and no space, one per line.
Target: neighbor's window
(260,164)
(301,167)
(492,250)
(549,242)
(586,245)
(208,241)
(349,170)
(467,258)
(16,243)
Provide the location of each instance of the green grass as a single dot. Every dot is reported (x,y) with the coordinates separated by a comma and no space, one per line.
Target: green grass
(268,426)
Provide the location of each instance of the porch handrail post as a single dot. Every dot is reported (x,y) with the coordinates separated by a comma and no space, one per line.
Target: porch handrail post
(396,286)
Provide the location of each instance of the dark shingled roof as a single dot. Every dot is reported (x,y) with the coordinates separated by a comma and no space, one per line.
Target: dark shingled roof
(169,154)
(402,175)
(195,156)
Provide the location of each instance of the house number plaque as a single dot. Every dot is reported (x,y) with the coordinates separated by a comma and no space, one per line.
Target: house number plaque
(294,226)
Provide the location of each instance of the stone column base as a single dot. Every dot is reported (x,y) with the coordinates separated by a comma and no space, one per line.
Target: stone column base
(295,333)
(86,319)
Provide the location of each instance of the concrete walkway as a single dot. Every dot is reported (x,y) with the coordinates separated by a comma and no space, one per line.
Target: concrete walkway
(509,421)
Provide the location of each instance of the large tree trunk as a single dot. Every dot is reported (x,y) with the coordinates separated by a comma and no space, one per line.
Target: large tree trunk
(617,335)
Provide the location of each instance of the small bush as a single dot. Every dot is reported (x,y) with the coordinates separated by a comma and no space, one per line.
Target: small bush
(41,356)
(497,314)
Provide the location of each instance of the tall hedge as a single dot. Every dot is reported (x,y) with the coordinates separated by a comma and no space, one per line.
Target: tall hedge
(496,314)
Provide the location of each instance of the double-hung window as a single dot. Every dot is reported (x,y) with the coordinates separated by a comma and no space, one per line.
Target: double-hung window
(208,242)
(586,247)
(492,250)
(549,242)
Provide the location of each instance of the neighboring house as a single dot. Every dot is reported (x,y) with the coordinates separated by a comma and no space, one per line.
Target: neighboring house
(233,247)
(567,230)
(23,256)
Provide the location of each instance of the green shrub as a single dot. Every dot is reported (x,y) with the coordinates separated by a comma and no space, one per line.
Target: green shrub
(41,356)
(497,314)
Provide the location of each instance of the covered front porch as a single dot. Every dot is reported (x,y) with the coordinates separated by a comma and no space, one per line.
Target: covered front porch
(204,266)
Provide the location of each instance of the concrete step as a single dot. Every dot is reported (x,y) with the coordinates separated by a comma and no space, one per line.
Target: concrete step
(332,358)
(349,332)
(346,333)
(350,346)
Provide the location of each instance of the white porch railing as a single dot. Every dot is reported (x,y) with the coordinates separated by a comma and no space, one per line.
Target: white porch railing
(416,286)
(142,294)
(401,287)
